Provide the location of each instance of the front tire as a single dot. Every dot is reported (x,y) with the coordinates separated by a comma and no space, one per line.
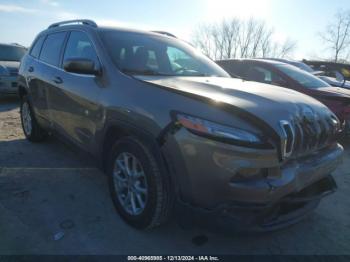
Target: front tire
(140,192)
(31,129)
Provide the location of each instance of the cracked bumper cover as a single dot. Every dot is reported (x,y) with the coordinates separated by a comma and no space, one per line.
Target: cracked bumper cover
(207,178)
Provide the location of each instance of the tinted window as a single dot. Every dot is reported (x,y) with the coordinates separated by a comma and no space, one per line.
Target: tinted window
(139,53)
(37,47)
(234,68)
(79,46)
(11,53)
(305,79)
(50,52)
(264,75)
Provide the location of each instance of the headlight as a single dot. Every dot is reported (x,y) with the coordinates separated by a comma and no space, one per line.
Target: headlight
(3,71)
(220,132)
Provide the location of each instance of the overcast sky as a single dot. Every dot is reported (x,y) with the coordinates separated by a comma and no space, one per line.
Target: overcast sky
(300,20)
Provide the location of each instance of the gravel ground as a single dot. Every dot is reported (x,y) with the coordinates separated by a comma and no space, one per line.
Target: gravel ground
(54,201)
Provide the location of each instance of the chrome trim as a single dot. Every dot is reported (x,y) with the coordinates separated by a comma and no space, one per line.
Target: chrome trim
(283,124)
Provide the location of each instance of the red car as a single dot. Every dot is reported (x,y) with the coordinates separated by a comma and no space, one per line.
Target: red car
(285,75)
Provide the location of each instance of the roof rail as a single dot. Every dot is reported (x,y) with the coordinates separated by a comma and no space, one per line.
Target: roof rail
(77,21)
(164,33)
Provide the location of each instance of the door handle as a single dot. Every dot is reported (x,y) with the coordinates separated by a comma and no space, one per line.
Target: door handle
(58,80)
(31,69)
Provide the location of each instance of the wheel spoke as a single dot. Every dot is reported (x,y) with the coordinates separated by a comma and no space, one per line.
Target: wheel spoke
(121,165)
(127,200)
(121,182)
(126,164)
(132,200)
(140,200)
(140,190)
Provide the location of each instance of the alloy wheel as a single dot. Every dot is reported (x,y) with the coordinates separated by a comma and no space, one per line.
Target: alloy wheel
(130,183)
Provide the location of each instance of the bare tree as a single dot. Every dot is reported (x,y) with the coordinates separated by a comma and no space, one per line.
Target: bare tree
(240,39)
(337,35)
(203,39)
(283,50)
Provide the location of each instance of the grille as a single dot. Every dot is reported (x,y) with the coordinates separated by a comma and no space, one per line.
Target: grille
(302,136)
(13,71)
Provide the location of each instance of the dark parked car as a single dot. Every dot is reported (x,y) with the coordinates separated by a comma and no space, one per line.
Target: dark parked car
(328,77)
(288,76)
(10,57)
(174,132)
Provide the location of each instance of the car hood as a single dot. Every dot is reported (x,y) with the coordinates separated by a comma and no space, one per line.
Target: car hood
(10,64)
(269,103)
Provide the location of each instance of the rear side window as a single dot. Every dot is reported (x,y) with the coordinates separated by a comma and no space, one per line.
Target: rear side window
(50,52)
(264,75)
(35,52)
(80,46)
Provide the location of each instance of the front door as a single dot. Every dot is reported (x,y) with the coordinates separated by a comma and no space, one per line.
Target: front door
(74,101)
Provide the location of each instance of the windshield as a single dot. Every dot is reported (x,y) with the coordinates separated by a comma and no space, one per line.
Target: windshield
(11,53)
(143,54)
(305,79)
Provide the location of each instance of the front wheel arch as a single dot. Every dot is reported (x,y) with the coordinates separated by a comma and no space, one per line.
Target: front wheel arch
(22,92)
(117,130)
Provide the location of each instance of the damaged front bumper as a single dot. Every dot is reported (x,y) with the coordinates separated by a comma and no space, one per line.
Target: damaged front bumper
(259,217)
(274,195)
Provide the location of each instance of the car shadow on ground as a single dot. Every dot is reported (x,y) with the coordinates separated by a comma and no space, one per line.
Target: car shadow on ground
(52,153)
(69,211)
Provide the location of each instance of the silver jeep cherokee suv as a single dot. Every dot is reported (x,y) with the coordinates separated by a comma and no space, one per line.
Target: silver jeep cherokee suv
(174,132)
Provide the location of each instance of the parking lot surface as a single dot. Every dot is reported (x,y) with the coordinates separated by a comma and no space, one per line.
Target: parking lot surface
(54,201)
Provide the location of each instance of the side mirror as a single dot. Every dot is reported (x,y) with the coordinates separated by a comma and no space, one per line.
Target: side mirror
(340,77)
(81,66)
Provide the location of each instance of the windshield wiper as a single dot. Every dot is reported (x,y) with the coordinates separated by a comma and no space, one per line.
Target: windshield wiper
(148,72)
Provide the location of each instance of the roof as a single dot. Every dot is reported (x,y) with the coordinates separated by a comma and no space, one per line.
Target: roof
(262,60)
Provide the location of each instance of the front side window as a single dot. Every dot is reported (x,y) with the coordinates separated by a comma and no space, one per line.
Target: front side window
(303,78)
(139,53)
(11,53)
(51,49)
(79,46)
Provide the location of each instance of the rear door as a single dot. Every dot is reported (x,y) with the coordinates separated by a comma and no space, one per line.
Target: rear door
(76,111)
(50,57)
(34,71)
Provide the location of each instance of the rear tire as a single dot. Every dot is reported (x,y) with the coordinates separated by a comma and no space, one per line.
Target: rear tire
(140,192)
(31,129)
